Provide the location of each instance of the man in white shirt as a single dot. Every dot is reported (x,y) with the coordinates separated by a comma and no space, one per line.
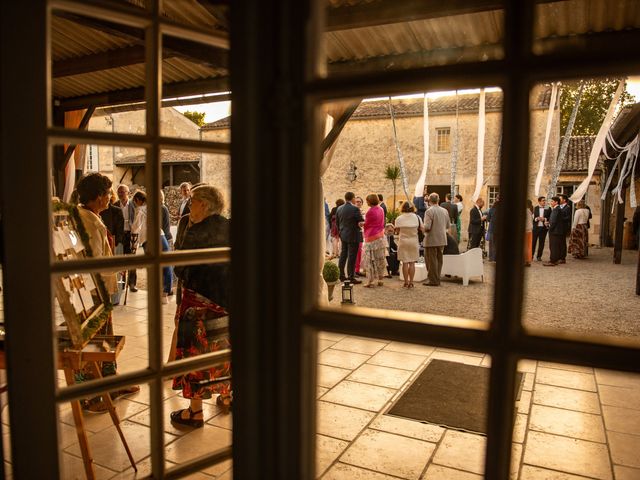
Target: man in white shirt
(185,206)
(128,212)
(541,215)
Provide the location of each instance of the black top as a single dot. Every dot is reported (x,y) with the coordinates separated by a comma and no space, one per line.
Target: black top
(211,281)
(557,225)
(347,219)
(538,212)
(476,225)
(452,246)
(452,209)
(113,219)
(166,223)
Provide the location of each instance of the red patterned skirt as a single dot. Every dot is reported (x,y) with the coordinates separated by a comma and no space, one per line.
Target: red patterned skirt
(203,327)
(579,241)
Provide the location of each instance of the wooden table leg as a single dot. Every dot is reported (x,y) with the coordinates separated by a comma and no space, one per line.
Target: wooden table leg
(114,415)
(80,431)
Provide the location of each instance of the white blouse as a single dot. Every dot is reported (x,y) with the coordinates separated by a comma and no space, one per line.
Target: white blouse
(580,217)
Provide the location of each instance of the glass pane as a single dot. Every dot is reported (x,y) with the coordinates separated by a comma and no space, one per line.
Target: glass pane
(196,86)
(383,155)
(571,25)
(398,409)
(576,421)
(379,36)
(97,63)
(589,237)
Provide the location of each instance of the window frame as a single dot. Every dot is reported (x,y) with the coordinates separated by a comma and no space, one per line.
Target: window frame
(441,133)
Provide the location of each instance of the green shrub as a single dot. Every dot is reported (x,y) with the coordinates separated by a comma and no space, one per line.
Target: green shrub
(392,215)
(330,272)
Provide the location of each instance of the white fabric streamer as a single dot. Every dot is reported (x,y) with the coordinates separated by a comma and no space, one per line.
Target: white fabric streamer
(608,184)
(597,145)
(480,165)
(403,172)
(547,134)
(419,190)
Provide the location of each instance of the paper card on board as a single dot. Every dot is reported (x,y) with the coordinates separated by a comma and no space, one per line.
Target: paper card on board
(77,303)
(87,299)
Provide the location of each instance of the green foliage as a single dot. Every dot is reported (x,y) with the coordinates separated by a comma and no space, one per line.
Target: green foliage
(392,215)
(195,117)
(392,172)
(596,98)
(330,272)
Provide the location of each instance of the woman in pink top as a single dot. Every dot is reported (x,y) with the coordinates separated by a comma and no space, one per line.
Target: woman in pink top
(374,242)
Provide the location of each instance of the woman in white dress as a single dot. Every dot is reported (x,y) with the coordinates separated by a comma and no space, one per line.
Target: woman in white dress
(407,226)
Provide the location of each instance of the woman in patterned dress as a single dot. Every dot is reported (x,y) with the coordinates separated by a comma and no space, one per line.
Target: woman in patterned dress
(201,317)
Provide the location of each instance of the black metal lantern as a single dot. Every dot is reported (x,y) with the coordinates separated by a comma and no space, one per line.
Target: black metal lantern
(347,293)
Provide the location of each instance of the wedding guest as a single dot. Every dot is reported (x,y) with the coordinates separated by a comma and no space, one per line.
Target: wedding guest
(557,235)
(335,232)
(579,232)
(407,226)
(374,244)
(128,212)
(348,220)
(185,205)
(528,234)
(436,224)
(541,214)
(359,203)
(383,205)
(393,265)
(114,221)
(476,224)
(458,203)
(166,221)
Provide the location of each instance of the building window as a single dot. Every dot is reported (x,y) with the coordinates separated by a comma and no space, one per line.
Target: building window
(443,136)
(492,194)
(92,164)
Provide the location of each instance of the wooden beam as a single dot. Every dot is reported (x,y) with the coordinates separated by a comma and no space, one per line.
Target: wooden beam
(638,272)
(71,148)
(385,12)
(171,46)
(134,95)
(120,57)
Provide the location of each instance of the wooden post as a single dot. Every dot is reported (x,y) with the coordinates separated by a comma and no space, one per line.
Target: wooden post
(638,272)
(617,247)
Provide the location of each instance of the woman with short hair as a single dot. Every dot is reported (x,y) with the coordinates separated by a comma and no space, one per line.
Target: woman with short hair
(374,246)
(407,226)
(201,317)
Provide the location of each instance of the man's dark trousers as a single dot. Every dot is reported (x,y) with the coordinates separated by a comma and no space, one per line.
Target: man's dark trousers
(556,243)
(539,236)
(349,251)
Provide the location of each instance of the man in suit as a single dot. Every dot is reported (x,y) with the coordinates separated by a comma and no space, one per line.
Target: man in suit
(383,206)
(541,214)
(348,221)
(436,225)
(185,205)
(557,235)
(452,209)
(128,212)
(567,217)
(476,224)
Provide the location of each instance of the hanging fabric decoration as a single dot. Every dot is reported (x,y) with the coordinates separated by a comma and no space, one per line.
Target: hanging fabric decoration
(454,153)
(480,165)
(629,166)
(403,173)
(419,190)
(547,134)
(551,191)
(597,144)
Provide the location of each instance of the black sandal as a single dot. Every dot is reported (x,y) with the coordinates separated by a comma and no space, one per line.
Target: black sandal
(176,417)
(224,402)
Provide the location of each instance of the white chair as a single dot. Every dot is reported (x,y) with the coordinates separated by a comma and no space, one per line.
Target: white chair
(465,265)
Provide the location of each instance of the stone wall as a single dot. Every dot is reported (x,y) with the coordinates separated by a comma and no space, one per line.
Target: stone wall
(216,168)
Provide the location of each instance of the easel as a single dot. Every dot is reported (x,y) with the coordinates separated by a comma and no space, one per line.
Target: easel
(85,305)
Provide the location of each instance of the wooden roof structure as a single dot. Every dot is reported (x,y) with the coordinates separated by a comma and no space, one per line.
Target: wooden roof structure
(97,63)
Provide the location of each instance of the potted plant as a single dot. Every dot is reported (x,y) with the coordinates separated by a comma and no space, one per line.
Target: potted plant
(331,276)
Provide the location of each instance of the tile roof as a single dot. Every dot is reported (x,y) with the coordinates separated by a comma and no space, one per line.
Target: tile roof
(166,156)
(578,154)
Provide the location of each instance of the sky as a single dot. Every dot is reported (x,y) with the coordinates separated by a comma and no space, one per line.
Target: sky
(218,110)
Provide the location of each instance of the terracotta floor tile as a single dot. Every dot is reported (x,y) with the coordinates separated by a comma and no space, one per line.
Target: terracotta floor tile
(408,428)
(438,472)
(335,337)
(321,391)
(456,357)
(569,455)
(462,451)
(624,449)
(411,348)
(341,422)
(516,459)
(626,473)
(567,398)
(72,467)
(328,377)
(390,454)
(617,379)
(535,473)
(342,358)
(342,471)
(528,366)
(568,423)
(360,395)
(323,344)
(620,396)
(96,422)
(565,378)
(520,428)
(222,420)
(524,404)
(359,345)
(528,382)
(219,469)
(199,442)
(381,376)
(566,366)
(327,450)
(405,361)
(623,420)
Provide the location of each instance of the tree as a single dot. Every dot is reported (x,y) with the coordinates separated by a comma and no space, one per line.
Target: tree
(195,117)
(596,97)
(392,172)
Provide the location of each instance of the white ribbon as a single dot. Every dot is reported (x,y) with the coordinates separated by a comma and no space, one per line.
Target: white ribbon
(480,165)
(547,134)
(597,145)
(403,172)
(608,184)
(419,190)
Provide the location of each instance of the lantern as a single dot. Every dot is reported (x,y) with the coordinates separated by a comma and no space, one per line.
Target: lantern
(347,293)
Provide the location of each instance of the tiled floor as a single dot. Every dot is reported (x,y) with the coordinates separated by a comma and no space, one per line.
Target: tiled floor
(572,423)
